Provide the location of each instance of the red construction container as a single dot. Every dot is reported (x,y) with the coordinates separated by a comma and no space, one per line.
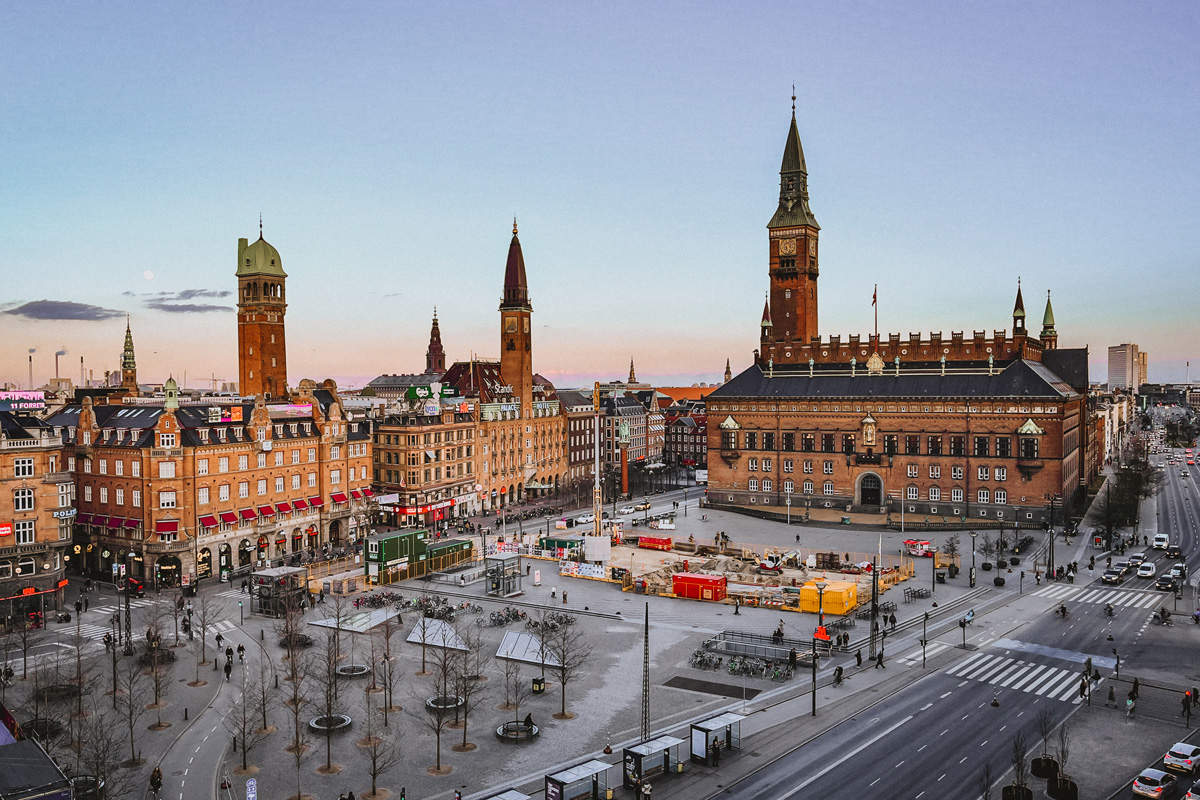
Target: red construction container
(699,587)
(655,542)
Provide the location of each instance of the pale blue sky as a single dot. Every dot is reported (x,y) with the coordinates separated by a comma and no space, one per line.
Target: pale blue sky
(952,147)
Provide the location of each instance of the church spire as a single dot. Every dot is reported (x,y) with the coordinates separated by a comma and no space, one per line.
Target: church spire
(128,362)
(1019,312)
(632,374)
(766,317)
(728,372)
(435,354)
(516,289)
(1049,335)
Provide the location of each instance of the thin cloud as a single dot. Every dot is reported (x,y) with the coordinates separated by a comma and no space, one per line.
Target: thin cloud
(184,294)
(184,308)
(63,310)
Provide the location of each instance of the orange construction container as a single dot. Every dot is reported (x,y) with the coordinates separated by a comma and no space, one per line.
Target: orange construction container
(655,542)
(840,597)
(699,587)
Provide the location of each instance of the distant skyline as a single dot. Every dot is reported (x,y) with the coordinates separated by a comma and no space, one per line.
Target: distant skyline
(952,149)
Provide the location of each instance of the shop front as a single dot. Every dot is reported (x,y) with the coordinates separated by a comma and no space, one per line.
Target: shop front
(204,563)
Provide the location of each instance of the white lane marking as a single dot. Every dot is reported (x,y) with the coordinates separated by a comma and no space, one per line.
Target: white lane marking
(922,747)
(834,765)
(898,765)
(927,706)
(943,697)
(964,758)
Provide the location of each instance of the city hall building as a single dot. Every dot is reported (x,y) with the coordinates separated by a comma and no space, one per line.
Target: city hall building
(985,426)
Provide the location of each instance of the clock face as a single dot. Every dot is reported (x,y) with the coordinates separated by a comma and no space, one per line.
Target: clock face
(510,324)
(812,248)
(787,247)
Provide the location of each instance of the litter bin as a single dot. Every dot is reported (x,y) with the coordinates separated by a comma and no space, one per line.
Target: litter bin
(539,685)
(941,577)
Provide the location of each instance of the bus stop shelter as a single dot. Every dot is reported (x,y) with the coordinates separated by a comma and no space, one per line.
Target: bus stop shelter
(724,730)
(589,780)
(650,759)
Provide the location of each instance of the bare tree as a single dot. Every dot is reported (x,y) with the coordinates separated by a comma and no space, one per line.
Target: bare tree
(240,722)
(177,602)
(985,781)
(1045,727)
(340,608)
(84,679)
(28,636)
(1020,760)
(131,702)
(98,755)
(568,646)
(423,626)
(511,670)
(297,700)
(326,676)
(517,690)
(264,697)
(469,679)
(1064,747)
(437,715)
(382,751)
(204,620)
(198,647)
(388,670)
(161,680)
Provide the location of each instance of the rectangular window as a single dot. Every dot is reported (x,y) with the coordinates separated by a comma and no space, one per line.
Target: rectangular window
(262,486)
(766,484)
(1004,447)
(23,499)
(120,496)
(808,467)
(956,495)
(766,465)
(166,469)
(848,442)
(751,440)
(104,466)
(279,458)
(118,467)
(984,474)
(985,496)
(244,489)
(828,468)
(243,462)
(1000,497)
(312,480)
(312,454)
(223,464)
(789,442)
(935,493)
(808,487)
(768,438)
(135,468)
(87,494)
(166,440)
(279,484)
(912,445)
(752,464)
(910,493)
(295,456)
(1001,474)
(104,495)
(935,445)
(912,470)
(295,481)
(202,496)
(827,443)
(64,494)
(202,466)
(23,468)
(788,465)
(958,445)
(1029,447)
(828,487)
(24,531)
(808,442)
(891,444)
(223,491)
(935,471)
(752,484)
(261,460)
(166,499)
(981,447)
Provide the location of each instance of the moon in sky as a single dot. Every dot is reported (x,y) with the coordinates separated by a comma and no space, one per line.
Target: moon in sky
(148,275)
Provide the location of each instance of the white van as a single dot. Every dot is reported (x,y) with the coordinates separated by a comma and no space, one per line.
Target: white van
(1161,541)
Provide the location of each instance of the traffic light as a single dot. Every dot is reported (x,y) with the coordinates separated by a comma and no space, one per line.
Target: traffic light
(457,795)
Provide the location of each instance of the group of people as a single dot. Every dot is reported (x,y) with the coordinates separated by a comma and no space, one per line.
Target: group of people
(241,654)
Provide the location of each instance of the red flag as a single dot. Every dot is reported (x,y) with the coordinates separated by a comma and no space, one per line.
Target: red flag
(875,295)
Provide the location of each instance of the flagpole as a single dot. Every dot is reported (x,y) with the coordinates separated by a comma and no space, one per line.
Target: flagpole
(875,302)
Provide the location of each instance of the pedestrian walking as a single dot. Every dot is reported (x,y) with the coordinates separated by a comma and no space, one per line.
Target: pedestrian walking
(78,606)
(321,596)
(564,597)
(1136,689)
(1112,697)
(350,796)
(893,621)
(553,592)
(858,658)
(879,659)
(86,603)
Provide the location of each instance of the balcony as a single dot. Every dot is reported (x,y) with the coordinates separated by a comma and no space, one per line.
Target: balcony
(868,458)
(730,457)
(166,452)
(1030,466)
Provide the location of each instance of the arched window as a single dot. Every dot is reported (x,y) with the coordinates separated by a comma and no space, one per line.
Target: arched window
(828,487)
(808,487)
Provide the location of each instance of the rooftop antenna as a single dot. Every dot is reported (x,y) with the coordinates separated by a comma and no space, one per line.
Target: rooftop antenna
(793,99)
(260,233)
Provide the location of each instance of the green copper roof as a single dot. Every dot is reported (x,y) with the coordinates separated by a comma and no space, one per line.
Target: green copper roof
(1019,306)
(127,359)
(793,152)
(259,258)
(793,185)
(1048,317)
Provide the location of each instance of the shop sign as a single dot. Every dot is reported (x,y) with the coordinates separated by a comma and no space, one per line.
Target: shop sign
(63,583)
(218,414)
(6,529)
(65,513)
(421,509)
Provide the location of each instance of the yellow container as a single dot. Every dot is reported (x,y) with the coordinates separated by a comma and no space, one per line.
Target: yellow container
(840,597)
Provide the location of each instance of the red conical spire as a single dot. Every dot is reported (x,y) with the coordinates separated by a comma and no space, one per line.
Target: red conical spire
(516,289)
(435,355)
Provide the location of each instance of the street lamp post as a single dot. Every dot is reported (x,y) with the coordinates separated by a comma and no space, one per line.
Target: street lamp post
(974,534)
(821,622)
(924,637)
(685,491)
(788,492)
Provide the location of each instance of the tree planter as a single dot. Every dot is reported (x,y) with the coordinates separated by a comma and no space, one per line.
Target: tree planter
(1061,787)
(952,571)
(327,725)
(352,670)
(1044,767)
(986,566)
(1016,793)
(443,704)
(998,581)
(1014,561)
(517,732)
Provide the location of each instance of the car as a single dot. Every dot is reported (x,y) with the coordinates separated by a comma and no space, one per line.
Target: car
(1178,571)
(1146,570)
(1137,559)
(1165,582)
(1161,541)
(1182,757)
(1114,576)
(627,509)
(1194,792)
(1123,566)
(584,519)
(1154,783)
(1174,551)
(642,506)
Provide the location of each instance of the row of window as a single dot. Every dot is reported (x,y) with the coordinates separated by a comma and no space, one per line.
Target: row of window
(984,473)
(434,437)
(417,457)
(167,499)
(24,500)
(934,444)
(999,496)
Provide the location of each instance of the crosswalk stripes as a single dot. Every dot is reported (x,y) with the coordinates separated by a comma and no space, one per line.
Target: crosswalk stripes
(96,632)
(1129,598)
(1053,683)
(930,651)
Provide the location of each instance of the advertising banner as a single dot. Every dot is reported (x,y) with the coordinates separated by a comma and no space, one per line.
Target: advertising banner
(22,401)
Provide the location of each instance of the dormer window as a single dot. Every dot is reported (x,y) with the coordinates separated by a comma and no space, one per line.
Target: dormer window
(237,434)
(278,431)
(292,428)
(203,434)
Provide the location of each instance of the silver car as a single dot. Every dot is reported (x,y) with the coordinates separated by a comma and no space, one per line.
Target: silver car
(1182,757)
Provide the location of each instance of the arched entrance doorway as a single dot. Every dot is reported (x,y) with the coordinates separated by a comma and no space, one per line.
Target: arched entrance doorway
(204,563)
(245,553)
(870,490)
(335,533)
(263,543)
(167,570)
(297,540)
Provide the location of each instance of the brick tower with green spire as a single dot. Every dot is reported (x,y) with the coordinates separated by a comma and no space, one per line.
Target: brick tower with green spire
(128,363)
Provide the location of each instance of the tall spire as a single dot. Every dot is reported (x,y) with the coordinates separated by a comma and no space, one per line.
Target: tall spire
(766,317)
(435,354)
(1049,335)
(728,372)
(128,361)
(1019,311)
(793,182)
(632,374)
(516,289)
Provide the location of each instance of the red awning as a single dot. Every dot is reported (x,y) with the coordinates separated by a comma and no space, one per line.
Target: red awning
(356,494)
(248,513)
(282,508)
(132,523)
(316,502)
(228,517)
(116,522)
(99,520)
(368,493)
(208,521)
(338,497)
(266,511)
(281,540)
(83,519)
(166,526)
(299,505)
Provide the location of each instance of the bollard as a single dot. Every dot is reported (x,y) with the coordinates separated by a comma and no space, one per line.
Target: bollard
(276,680)
(262,635)
(214,664)
(185,712)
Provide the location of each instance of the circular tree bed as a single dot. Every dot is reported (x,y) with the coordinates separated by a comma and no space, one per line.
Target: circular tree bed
(57,692)
(516,731)
(444,703)
(352,670)
(87,787)
(327,725)
(161,655)
(43,728)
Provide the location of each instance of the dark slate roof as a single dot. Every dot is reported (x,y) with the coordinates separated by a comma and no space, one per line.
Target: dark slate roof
(570,398)
(403,381)
(1019,379)
(25,768)
(20,426)
(1069,364)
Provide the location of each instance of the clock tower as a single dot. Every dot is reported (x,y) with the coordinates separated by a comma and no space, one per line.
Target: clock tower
(262,302)
(792,235)
(516,354)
